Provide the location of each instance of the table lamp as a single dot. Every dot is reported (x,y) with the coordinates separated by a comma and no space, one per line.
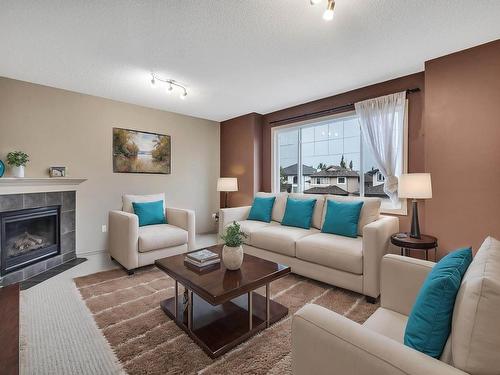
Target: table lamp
(415,186)
(227,184)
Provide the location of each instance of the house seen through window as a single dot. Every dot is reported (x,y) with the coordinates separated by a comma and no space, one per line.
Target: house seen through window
(326,157)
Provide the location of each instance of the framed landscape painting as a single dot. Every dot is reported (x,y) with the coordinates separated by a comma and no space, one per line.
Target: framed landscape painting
(141,152)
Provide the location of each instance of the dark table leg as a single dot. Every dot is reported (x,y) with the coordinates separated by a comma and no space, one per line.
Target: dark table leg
(268,297)
(250,311)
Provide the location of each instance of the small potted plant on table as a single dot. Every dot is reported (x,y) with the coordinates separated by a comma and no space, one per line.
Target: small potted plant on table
(17,161)
(232,252)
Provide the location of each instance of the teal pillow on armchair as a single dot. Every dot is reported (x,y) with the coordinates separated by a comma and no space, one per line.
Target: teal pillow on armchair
(298,213)
(149,213)
(429,323)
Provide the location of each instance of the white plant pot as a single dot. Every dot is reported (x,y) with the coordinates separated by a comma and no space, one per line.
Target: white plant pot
(18,171)
(232,257)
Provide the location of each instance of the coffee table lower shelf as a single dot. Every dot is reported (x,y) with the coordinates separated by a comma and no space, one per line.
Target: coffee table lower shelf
(218,329)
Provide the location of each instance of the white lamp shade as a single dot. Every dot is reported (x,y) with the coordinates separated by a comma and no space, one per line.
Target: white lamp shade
(227,184)
(415,186)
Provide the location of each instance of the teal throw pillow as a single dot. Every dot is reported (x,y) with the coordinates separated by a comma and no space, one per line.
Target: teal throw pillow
(342,218)
(298,213)
(149,213)
(429,323)
(262,209)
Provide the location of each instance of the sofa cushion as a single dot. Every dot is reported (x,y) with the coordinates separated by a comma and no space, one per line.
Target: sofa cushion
(317,217)
(342,218)
(330,250)
(429,323)
(388,323)
(369,212)
(262,209)
(299,213)
(127,200)
(280,239)
(475,334)
(160,236)
(279,204)
(250,226)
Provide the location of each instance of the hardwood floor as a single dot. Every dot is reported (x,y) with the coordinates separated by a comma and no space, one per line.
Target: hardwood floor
(9,329)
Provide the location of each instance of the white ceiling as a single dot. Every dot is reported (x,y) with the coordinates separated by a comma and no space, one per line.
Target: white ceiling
(235,56)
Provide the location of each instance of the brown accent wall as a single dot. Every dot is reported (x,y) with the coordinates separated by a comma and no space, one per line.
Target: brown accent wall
(462,146)
(415,125)
(241,156)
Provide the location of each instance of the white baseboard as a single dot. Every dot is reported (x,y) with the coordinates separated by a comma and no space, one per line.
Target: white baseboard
(86,253)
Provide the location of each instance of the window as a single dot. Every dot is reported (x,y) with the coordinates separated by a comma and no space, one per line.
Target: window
(333,155)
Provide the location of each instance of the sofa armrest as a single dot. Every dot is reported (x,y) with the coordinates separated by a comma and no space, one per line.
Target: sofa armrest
(401,280)
(376,239)
(228,215)
(123,238)
(325,343)
(184,219)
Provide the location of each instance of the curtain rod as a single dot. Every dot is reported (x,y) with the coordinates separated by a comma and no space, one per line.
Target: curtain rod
(339,109)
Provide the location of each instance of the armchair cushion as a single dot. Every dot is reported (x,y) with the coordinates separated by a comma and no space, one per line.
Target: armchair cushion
(429,323)
(388,323)
(150,213)
(160,236)
(475,334)
(127,200)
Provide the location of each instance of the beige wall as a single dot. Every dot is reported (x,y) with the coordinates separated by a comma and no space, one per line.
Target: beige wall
(58,127)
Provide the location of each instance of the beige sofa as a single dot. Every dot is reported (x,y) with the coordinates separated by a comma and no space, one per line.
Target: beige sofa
(351,263)
(133,246)
(324,342)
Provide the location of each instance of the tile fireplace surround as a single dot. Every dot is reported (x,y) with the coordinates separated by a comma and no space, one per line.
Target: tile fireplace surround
(67,201)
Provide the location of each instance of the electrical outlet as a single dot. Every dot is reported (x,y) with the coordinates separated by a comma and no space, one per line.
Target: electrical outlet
(104,228)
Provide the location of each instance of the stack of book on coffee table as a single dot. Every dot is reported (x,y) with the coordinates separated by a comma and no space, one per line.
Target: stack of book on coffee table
(202,258)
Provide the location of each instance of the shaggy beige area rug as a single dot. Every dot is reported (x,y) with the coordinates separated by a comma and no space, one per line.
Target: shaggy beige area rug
(126,309)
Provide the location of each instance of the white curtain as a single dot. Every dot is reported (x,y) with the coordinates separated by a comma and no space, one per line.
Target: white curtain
(382,126)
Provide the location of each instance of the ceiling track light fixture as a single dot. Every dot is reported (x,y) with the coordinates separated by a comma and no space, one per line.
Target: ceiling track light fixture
(170,85)
(328,14)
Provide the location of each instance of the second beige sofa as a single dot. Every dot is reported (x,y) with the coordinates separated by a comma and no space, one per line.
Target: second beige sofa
(350,263)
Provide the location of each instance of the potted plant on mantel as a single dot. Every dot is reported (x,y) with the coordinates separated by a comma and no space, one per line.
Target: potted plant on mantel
(17,161)
(232,252)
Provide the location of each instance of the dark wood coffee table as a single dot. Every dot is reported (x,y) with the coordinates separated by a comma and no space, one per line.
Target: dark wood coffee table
(221,309)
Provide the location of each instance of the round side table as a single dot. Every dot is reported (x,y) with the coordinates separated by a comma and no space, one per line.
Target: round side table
(425,243)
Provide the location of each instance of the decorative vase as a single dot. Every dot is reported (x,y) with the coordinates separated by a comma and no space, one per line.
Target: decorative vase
(18,171)
(232,257)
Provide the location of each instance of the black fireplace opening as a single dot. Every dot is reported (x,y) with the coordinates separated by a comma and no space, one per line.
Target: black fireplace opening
(28,236)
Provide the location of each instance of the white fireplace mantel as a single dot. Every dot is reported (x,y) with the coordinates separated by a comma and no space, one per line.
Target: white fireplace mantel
(12,185)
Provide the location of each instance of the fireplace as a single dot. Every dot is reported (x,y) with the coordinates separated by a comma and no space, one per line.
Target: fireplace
(28,236)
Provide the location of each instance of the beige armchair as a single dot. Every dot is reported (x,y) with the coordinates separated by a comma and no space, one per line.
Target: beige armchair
(324,342)
(133,246)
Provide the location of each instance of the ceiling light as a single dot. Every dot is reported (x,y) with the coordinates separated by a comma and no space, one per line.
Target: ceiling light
(171,84)
(314,2)
(328,15)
